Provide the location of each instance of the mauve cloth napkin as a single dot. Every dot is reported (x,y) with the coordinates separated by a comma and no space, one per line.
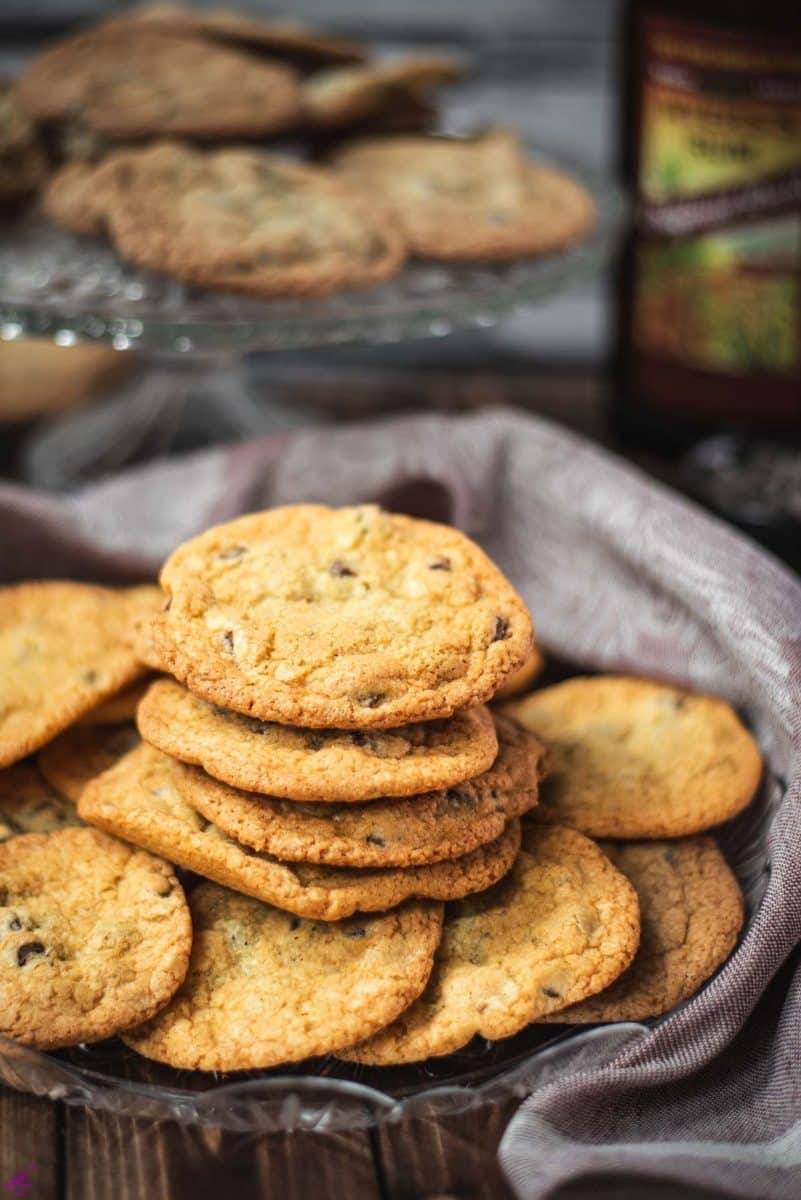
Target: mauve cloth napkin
(620,574)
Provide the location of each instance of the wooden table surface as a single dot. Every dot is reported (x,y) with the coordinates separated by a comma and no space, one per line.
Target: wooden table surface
(71,1153)
(77,1154)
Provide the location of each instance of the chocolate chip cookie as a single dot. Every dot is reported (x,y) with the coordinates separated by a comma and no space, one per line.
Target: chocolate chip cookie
(29,805)
(323,766)
(94,937)
(692,913)
(345,96)
(265,988)
(76,756)
(241,219)
(137,83)
(120,708)
(632,758)
(304,47)
(23,163)
(473,198)
(562,926)
(401,832)
(522,680)
(78,193)
(349,618)
(142,800)
(62,652)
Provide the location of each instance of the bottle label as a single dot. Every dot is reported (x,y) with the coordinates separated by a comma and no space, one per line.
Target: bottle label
(727,300)
(719,113)
(717,267)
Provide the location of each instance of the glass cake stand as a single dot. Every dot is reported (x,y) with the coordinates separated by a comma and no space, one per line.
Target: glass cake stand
(72,289)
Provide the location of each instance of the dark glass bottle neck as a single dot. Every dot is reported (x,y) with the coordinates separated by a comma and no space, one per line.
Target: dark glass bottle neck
(779,16)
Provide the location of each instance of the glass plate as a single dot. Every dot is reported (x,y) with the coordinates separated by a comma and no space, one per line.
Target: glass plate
(330,1095)
(69,288)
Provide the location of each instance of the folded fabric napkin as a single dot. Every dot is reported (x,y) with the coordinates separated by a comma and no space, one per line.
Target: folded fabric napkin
(620,574)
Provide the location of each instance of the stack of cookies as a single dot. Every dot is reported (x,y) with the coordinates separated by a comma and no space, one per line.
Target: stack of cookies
(387,868)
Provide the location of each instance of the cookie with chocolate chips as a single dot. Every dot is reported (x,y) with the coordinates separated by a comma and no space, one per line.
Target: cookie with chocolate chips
(326,765)
(400,832)
(303,46)
(94,937)
(691,907)
(349,618)
(522,679)
(138,83)
(144,800)
(561,926)
(345,96)
(62,652)
(119,709)
(76,756)
(632,758)
(29,805)
(78,194)
(245,220)
(23,163)
(264,988)
(464,199)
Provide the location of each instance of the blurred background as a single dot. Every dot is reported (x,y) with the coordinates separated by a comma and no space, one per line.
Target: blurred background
(684,352)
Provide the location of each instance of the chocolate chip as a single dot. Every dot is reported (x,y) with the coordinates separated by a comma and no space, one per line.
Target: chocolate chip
(294,923)
(670,857)
(232,552)
(375,840)
(372,700)
(340,569)
(440,564)
(228,641)
(314,741)
(15,924)
(359,932)
(89,676)
(501,629)
(552,992)
(358,738)
(28,950)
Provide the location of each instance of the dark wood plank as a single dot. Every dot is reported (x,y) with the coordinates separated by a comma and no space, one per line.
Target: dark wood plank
(29,1142)
(453,1156)
(138,1160)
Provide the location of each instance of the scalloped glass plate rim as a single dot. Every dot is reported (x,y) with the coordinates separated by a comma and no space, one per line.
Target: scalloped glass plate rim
(279,1102)
(302,1102)
(426,299)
